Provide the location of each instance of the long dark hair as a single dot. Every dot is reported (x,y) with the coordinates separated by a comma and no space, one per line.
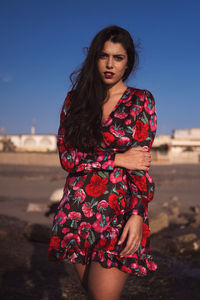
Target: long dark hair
(83,123)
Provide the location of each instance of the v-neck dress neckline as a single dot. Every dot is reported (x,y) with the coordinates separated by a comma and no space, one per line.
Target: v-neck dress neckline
(116,106)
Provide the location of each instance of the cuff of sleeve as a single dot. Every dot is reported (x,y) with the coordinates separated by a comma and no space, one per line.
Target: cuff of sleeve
(134,212)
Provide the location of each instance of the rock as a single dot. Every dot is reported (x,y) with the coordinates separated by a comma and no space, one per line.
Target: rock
(37,233)
(185,238)
(3,234)
(36,207)
(195,209)
(188,216)
(165,204)
(182,221)
(191,247)
(197,219)
(174,211)
(56,195)
(159,222)
(175,199)
(196,245)
(184,243)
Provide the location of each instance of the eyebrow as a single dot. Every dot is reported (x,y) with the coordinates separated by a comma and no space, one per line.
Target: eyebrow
(114,54)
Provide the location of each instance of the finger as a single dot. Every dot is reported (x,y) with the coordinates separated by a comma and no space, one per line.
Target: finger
(137,245)
(147,155)
(123,236)
(147,163)
(145,168)
(128,247)
(133,249)
(126,250)
(138,149)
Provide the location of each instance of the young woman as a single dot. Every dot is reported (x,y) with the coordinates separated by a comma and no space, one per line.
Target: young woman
(105,135)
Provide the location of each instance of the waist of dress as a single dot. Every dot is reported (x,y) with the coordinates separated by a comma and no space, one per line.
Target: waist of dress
(93,171)
(82,173)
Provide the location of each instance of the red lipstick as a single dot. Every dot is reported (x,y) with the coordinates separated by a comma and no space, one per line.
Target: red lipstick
(109,74)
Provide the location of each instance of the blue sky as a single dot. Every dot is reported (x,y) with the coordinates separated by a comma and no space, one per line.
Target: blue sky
(42,42)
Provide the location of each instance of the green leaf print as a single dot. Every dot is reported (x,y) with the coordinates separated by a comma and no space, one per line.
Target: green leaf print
(91,237)
(101,174)
(144,118)
(140,173)
(129,130)
(94,204)
(73,224)
(106,192)
(151,190)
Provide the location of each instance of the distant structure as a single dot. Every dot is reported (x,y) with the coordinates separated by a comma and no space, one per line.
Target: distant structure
(182,147)
(30,142)
(33,130)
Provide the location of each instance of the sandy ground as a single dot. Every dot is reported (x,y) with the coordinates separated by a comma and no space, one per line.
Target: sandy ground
(24,270)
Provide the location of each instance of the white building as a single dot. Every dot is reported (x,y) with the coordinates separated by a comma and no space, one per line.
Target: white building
(31,142)
(182,147)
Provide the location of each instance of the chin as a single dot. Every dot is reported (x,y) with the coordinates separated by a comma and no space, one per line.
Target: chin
(110,81)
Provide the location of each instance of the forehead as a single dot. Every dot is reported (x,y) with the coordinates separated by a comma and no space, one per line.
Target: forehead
(113,48)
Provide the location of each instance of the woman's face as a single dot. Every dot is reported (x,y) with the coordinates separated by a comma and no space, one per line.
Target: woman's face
(112,62)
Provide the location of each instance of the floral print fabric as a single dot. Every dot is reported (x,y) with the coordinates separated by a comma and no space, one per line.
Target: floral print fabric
(99,197)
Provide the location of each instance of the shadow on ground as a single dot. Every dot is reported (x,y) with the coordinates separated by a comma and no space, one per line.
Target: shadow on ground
(27,274)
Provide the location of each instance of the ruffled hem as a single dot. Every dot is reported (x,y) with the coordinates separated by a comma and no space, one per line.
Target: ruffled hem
(134,264)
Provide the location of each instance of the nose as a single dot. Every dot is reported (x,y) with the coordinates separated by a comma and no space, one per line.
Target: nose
(109,64)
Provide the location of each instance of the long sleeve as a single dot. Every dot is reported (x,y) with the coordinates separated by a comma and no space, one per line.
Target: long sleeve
(141,185)
(73,160)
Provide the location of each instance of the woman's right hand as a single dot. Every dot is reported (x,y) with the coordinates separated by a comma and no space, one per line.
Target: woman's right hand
(136,158)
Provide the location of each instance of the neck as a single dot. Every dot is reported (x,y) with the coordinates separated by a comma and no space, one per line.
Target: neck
(118,87)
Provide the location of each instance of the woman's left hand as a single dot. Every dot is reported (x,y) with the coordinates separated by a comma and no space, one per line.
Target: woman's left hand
(133,229)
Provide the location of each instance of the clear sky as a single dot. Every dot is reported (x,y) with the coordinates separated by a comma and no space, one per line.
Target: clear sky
(42,42)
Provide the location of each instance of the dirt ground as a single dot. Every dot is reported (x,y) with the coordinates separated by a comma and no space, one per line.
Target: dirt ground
(25,272)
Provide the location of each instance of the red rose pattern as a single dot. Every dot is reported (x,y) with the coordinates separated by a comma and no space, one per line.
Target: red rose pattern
(141,131)
(113,202)
(55,243)
(100,197)
(145,233)
(108,138)
(140,182)
(97,186)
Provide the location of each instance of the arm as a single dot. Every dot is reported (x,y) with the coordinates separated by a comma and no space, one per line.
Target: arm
(73,160)
(141,184)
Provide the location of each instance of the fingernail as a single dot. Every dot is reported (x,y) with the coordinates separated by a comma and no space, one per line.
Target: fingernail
(119,242)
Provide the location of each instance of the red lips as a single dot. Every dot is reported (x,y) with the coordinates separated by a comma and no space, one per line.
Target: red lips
(109,74)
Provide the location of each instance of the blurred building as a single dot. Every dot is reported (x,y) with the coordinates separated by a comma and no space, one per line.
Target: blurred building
(182,147)
(28,143)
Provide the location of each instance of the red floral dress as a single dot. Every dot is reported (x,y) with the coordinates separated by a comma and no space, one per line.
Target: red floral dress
(99,198)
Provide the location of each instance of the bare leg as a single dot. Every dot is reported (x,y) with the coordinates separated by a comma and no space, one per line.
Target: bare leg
(106,284)
(82,271)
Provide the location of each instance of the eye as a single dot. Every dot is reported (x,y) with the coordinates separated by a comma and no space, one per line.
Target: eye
(118,57)
(103,55)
